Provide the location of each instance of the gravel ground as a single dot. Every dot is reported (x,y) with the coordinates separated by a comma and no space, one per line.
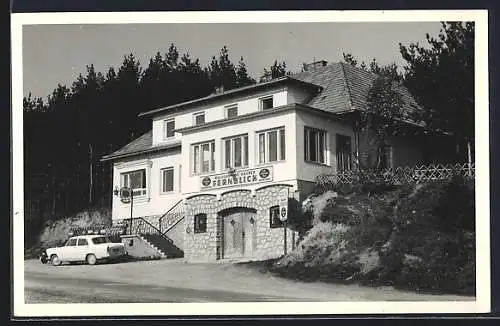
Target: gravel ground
(219,276)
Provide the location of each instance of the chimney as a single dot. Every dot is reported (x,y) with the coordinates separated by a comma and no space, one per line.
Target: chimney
(219,90)
(267,76)
(314,65)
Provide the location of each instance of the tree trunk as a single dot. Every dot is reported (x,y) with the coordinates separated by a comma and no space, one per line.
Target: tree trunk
(90,174)
(53,190)
(469,157)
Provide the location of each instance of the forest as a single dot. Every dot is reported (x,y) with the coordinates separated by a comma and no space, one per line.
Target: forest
(66,134)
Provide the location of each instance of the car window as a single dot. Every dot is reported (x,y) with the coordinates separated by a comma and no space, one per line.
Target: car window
(82,242)
(99,240)
(71,242)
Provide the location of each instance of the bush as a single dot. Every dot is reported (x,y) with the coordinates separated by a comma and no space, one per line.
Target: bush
(56,233)
(418,237)
(434,224)
(321,249)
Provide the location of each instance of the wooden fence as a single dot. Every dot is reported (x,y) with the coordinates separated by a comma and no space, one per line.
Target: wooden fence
(402,175)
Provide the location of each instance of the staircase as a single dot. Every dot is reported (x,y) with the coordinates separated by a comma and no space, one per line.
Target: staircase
(173,216)
(164,245)
(155,238)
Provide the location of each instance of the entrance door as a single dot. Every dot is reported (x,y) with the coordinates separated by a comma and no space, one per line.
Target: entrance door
(239,233)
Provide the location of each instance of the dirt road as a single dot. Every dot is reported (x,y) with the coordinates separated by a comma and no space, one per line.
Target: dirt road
(176,281)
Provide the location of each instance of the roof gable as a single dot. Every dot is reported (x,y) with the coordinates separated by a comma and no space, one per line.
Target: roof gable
(140,145)
(346,87)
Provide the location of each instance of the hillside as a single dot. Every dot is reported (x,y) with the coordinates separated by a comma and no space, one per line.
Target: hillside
(418,237)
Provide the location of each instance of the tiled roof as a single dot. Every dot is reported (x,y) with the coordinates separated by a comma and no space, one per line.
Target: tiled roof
(343,88)
(346,87)
(143,144)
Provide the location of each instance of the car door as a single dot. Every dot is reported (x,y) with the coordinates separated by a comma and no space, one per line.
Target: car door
(68,251)
(82,249)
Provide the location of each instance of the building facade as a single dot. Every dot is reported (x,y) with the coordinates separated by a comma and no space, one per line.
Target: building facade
(213,173)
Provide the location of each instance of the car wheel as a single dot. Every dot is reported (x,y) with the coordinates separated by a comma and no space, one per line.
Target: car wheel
(43,259)
(55,260)
(91,259)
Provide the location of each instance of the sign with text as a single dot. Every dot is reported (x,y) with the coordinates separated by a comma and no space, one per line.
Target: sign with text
(284,204)
(242,177)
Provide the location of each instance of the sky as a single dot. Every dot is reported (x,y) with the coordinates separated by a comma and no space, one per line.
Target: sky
(55,54)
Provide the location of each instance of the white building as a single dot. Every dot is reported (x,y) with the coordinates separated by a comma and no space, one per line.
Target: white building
(211,173)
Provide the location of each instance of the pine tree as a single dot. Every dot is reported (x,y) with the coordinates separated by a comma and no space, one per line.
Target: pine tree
(242,77)
(276,70)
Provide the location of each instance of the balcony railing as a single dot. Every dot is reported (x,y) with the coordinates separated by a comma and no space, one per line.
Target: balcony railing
(402,175)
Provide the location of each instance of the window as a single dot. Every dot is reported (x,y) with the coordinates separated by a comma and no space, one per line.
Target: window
(136,180)
(199,118)
(274,217)
(236,152)
(203,157)
(266,103)
(271,145)
(315,145)
(71,242)
(386,157)
(82,242)
(99,240)
(200,223)
(167,180)
(343,153)
(231,111)
(168,128)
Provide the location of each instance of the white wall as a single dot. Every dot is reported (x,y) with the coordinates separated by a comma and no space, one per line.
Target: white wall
(215,111)
(282,171)
(155,202)
(308,171)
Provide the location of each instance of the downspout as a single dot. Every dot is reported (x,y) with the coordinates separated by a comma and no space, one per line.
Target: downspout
(351,107)
(356,142)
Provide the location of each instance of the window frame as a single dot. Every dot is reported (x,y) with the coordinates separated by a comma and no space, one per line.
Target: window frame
(71,245)
(212,160)
(244,154)
(390,157)
(263,99)
(162,180)
(144,190)
(228,107)
(86,243)
(280,156)
(197,224)
(349,160)
(197,114)
(319,134)
(165,128)
(274,217)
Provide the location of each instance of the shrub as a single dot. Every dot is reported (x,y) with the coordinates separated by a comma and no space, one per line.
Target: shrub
(434,224)
(418,237)
(56,232)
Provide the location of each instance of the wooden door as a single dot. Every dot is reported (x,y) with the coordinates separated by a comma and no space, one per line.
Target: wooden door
(249,234)
(233,235)
(239,234)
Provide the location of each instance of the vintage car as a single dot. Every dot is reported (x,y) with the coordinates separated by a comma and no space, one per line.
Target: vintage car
(85,248)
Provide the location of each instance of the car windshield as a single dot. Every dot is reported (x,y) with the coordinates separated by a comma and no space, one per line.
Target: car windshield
(100,240)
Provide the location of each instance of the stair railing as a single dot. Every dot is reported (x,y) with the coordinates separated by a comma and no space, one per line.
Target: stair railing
(171,217)
(141,226)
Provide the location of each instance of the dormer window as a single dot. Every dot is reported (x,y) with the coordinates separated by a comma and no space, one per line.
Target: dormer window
(266,103)
(231,111)
(168,128)
(199,118)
